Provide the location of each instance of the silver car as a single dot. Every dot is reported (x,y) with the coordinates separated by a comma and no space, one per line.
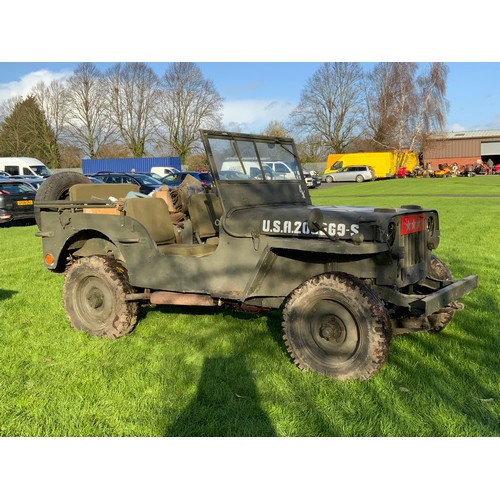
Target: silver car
(354,173)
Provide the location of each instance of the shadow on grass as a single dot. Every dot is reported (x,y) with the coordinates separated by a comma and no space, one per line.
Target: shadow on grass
(19,223)
(7,294)
(226,403)
(433,385)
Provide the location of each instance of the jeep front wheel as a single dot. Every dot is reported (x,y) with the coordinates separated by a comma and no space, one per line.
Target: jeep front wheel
(336,325)
(95,290)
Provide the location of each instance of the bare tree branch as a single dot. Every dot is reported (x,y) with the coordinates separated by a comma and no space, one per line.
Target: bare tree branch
(189,102)
(330,104)
(89,119)
(133,95)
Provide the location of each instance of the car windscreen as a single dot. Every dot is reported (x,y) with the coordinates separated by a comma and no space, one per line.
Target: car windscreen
(40,170)
(21,188)
(147,180)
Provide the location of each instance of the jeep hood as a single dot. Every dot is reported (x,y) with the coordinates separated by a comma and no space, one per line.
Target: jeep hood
(339,222)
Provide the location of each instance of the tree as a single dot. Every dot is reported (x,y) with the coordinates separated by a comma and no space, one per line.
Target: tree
(312,150)
(7,106)
(330,104)
(26,132)
(381,115)
(189,102)
(53,100)
(133,95)
(403,106)
(432,105)
(89,120)
(277,129)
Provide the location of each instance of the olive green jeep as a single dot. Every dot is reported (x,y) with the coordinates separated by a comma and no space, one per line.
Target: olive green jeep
(345,278)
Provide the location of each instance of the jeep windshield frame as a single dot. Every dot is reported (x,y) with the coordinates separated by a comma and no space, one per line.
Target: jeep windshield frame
(255,170)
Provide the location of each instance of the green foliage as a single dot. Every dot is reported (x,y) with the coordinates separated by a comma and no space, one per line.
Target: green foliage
(26,132)
(213,372)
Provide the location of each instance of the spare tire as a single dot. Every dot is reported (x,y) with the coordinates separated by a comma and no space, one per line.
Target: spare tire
(56,187)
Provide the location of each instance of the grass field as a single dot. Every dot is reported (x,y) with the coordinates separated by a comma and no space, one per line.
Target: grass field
(206,372)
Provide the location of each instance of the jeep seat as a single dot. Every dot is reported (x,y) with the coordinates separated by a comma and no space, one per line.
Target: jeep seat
(205,210)
(153,214)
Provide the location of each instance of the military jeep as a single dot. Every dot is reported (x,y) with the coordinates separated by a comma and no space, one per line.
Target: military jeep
(345,278)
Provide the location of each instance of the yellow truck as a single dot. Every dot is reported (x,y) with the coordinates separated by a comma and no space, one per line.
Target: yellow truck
(382,163)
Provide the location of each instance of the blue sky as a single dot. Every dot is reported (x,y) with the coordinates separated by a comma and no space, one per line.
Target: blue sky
(237,48)
(255,93)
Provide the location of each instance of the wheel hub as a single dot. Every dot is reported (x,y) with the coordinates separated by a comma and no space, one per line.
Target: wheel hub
(95,298)
(333,330)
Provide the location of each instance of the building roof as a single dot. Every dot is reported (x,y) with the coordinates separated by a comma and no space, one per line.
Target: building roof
(474,134)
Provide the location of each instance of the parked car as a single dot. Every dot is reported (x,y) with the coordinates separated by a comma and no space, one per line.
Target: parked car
(23,165)
(163,171)
(16,200)
(95,180)
(311,182)
(34,181)
(282,170)
(316,176)
(355,173)
(154,175)
(145,182)
(173,180)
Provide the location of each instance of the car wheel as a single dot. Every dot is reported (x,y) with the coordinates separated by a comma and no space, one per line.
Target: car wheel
(359,178)
(95,290)
(56,187)
(336,325)
(329,179)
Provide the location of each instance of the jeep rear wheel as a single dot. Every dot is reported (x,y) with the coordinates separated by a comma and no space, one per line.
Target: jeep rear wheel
(336,325)
(56,187)
(95,290)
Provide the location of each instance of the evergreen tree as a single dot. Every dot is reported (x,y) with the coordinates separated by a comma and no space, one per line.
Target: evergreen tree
(26,132)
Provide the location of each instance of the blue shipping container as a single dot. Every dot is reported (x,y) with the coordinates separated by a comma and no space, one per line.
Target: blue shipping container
(127,164)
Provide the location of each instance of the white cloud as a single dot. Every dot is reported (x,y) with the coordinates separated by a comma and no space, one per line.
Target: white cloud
(254,115)
(456,127)
(23,86)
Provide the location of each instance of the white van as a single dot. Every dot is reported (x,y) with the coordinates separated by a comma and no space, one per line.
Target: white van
(23,165)
(276,170)
(163,171)
(282,170)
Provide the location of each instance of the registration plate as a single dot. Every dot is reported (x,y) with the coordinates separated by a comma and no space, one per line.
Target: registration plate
(412,223)
(25,202)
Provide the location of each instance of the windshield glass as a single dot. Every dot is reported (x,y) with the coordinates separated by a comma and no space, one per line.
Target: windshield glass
(41,170)
(20,188)
(256,161)
(172,178)
(147,180)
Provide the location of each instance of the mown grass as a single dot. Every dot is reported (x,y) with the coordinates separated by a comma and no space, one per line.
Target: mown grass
(209,372)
